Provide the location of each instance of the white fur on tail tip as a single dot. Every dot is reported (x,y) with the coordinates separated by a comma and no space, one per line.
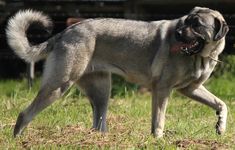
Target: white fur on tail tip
(16,33)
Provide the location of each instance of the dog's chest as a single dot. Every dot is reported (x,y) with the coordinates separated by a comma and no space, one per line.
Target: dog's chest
(203,68)
(197,72)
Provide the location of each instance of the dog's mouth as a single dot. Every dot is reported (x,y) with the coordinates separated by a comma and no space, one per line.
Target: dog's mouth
(193,47)
(189,48)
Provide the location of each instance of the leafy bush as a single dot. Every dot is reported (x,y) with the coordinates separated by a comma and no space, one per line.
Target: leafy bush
(226,67)
(120,87)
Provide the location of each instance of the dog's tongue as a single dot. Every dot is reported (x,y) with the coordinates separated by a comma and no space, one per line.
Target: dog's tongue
(176,47)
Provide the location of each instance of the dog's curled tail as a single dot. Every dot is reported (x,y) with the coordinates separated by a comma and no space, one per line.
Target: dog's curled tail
(16,33)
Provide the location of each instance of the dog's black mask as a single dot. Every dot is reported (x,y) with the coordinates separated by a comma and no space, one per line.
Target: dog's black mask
(200,27)
(190,35)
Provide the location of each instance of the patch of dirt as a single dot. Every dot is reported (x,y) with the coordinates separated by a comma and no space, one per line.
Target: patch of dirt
(71,135)
(201,144)
(57,136)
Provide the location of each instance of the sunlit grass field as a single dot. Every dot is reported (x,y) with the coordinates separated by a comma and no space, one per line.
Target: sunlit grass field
(66,124)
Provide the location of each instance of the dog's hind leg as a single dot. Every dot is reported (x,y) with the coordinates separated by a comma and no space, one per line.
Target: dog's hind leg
(46,96)
(97,87)
(64,65)
(201,94)
(56,80)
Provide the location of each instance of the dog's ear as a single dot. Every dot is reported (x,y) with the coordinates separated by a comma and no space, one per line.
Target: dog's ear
(221,29)
(195,10)
(198,9)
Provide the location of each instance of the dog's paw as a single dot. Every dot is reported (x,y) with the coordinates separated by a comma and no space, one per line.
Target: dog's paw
(222,119)
(159,133)
(220,127)
(19,126)
(221,124)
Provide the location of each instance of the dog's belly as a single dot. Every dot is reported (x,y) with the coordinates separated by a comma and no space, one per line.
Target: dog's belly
(135,76)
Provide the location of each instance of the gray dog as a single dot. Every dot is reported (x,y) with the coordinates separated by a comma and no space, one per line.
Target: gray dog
(162,55)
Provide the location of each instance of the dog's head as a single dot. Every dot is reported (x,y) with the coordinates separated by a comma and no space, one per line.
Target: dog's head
(201,27)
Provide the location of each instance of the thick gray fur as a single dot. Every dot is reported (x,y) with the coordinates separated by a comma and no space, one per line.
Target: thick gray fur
(88,52)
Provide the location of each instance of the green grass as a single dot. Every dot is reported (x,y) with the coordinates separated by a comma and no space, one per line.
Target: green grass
(66,124)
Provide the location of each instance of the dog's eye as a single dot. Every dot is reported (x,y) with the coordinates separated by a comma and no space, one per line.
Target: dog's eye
(192,21)
(187,21)
(195,22)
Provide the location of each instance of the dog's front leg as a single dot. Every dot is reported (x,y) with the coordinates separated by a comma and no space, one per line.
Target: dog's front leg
(201,94)
(159,104)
